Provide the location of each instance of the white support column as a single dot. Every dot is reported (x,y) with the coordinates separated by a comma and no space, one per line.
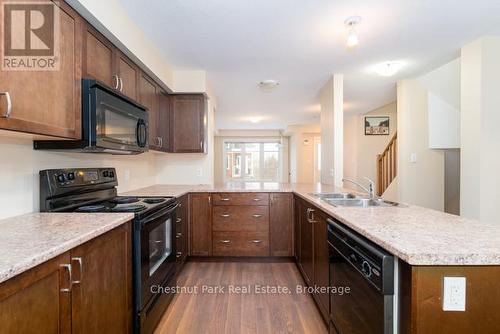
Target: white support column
(480,138)
(332,130)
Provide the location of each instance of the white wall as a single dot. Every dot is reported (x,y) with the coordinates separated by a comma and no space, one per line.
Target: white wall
(360,151)
(480,137)
(422,182)
(20,164)
(331,98)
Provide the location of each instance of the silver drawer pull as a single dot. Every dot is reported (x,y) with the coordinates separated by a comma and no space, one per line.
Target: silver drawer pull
(80,269)
(178,235)
(225,199)
(121,84)
(225,241)
(178,220)
(70,279)
(256,216)
(9,104)
(225,215)
(179,254)
(256,199)
(117,81)
(256,241)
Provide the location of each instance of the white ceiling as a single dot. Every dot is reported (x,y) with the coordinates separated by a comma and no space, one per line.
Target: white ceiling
(301,43)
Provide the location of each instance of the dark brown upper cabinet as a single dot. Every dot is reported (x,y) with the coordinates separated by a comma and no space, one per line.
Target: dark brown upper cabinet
(149,96)
(47,102)
(188,123)
(104,62)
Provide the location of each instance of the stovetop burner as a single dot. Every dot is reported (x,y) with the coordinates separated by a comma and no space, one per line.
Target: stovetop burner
(154,200)
(91,208)
(129,208)
(124,200)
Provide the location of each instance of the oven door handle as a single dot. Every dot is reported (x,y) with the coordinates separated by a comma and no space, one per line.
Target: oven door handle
(163,212)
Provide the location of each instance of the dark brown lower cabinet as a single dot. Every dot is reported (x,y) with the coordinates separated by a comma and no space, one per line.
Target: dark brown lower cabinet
(281,224)
(33,301)
(95,298)
(200,215)
(306,228)
(101,300)
(321,262)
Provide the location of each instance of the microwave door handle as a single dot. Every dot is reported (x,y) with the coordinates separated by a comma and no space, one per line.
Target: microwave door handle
(141,133)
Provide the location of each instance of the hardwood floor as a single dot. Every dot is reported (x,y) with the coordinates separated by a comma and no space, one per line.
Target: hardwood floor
(230,312)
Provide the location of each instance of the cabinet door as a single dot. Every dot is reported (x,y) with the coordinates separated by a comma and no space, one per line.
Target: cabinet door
(189,124)
(128,74)
(164,122)
(306,244)
(148,96)
(33,301)
(321,262)
(48,102)
(201,224)
(102,289)
(297,215)
(98,58)
(281,226)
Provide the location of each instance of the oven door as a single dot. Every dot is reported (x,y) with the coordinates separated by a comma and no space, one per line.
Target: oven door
(120,124)
(157,251)
(362,311)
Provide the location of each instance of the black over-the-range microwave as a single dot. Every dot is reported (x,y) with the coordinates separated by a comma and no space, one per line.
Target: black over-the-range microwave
(111,123)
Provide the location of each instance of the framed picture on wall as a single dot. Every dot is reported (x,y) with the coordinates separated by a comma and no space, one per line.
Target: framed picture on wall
(376,125)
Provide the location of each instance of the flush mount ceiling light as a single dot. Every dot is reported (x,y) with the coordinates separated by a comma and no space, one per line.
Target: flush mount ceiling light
(268,84)
(389,68)
(352,36)
(254,120)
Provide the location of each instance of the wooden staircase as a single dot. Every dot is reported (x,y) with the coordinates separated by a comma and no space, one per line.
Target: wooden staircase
(387,165)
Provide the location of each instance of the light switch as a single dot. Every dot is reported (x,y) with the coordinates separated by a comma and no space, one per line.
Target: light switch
(413,158)
(454,294)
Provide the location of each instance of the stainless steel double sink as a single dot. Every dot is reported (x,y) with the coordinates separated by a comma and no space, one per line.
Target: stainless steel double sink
(352,200)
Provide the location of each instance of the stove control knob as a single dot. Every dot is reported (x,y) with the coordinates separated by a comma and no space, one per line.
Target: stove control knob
(111,174)
(105,173)
(61,178)
(71,176)
(366,268)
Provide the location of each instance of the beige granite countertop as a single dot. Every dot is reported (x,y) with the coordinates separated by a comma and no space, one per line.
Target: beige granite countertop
(417,235)
(29,240)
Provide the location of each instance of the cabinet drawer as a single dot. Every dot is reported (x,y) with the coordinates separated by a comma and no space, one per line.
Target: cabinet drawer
(240,218)
(240,244)
(241,199)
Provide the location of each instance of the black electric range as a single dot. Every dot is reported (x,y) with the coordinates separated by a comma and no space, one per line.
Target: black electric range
(93,190)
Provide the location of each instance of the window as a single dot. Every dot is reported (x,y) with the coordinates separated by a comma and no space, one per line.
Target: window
(252,161)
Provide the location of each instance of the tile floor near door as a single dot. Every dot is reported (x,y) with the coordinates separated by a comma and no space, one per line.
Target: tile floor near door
(206,311)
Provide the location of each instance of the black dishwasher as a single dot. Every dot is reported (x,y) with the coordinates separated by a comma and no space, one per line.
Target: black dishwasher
(368,271)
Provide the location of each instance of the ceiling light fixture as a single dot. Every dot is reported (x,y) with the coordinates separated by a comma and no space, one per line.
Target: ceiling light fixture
(388,69)
(254,120)
(352,36)
(268,84)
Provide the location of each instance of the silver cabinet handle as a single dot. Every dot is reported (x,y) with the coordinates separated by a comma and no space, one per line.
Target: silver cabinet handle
(310,215)
(178,255)
(161,142)
(209,200)
(256,241)
(121,84)
(225,241)
(256,216)
(117,81)
(256,199)
(9,104)
(70,279)
(201,144)
(178,235)
(178,220)
(225,215)
(80,269)
(225,199)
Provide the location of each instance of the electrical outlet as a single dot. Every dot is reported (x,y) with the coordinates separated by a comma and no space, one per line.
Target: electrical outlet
(199,172)
(413,158)
(454,294)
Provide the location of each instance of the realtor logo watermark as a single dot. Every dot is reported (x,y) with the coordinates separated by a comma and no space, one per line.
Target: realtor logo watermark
(30,36)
